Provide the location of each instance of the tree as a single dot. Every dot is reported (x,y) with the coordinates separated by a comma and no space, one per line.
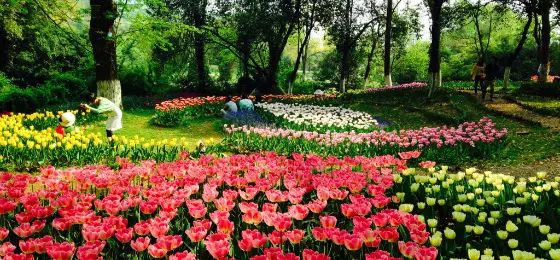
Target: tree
(102,38)
(434,67)
(387,53)
(257,32)
(542,37)
(310,10)
(522,7)
(346,24)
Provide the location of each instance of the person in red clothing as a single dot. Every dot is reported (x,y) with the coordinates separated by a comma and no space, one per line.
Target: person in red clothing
(66,122)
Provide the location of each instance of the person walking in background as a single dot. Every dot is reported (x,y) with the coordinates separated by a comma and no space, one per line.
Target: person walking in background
(107,107)
(229,107)
(245,103)
(492,72)
(478,74)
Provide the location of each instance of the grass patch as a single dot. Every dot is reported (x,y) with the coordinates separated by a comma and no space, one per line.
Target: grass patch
(543,105)
(136,123)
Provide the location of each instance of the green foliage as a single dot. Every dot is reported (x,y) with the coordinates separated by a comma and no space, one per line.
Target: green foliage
(540,89)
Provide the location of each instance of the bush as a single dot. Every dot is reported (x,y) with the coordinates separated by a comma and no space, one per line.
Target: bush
(540,89)
(308,87)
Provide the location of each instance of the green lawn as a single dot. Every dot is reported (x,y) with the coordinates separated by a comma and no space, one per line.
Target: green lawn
(136,123)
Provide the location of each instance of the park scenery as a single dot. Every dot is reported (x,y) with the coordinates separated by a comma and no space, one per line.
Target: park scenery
(279,129)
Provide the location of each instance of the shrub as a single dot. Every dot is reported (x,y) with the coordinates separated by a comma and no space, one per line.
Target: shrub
(540,89)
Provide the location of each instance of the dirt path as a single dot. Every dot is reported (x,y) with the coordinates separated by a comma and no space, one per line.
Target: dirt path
(511,109)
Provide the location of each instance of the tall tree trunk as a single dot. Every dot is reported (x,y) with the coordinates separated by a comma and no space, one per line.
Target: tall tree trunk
(101,35)
(301,50)
(199,43)
(434,67)
(344,69)
(545,41)
(517,51)
(4,49)
(387,55)
(304,63)
(370,59)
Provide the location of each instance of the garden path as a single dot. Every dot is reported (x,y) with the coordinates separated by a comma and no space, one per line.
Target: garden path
(511,109)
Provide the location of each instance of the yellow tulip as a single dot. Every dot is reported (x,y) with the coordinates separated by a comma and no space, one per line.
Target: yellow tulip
(554,254)
(488,252)
(502,234)
(544,229)
(553,237)
(435,240)
(473,254)
(478,230)
(545,245)
(432,222)
(511,227)
(449,233)
(513,243)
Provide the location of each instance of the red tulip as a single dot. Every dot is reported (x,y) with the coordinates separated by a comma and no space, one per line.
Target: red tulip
(61,251)
(185,255)
(295,236)
(282,223)
(6,206)
(217,245)
(426,253)
(252,217)
(4,233)
(196,233)
(390,234)
(338,236)
(276,238)
(244,207)
(319,233)
(380,254)
(225,226)
(148,207)
(124,235)
(216,216)
(140,244)
(224,204)
(90,250)
(317,206)
(170,243)
(353,242)
(142,228)
(328,221)
(298,212)
(6,248)
(159,229)
(408,249)
(157,251)
(309,254)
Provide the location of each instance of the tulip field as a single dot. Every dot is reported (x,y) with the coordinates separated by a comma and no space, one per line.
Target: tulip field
(301,177)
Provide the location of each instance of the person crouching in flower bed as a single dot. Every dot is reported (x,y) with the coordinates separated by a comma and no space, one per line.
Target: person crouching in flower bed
(66,123)
(107,107)
(245,104)
(230,107)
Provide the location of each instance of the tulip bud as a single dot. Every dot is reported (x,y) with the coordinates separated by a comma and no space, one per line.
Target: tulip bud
(553,237)
(478,230)
(406,208)
(414,187)
(492,221)
(468,228)
(490,200)
(541,175)
(435,240)
(441,202)
(544,229)
(470,196)
(432,222)
(400,195)
(459,216)
(480,202)
(473,254)
(488,252)
(554,254)
(449,233)
(421,205)
(462,198)
(502,234)
(511,227)
(545,245)
(430,201)
(513,243)
(504,257)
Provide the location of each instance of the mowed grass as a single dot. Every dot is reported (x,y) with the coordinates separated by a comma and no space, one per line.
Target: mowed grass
(136,122)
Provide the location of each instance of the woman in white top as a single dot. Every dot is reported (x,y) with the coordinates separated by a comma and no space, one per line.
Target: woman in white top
(107,107)
(229,107)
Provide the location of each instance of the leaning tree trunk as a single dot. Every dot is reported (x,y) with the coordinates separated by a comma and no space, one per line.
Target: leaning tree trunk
(434,71)
(516,52)
(545,45)
(102,38)
(369,61)
(301,50)
(199,15)
(387,55)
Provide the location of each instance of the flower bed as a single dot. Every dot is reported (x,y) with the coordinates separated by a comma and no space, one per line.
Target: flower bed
(28,141)
(180,110)
(441,143)
(259,206)
(412,85)
(318,118)
(480,215)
